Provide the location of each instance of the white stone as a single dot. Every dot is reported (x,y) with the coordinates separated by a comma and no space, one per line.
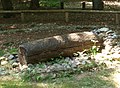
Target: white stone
(10,57)
(85,58)
(73,65)
(67,59)
(77,62)
(68,67)
(108,48)
(99,57)
(116,56)
(101,35)
(78,58)
(83,62)
(104,29)
(108,57)
(15,64)
(48,70)
(4,62)
(109,32)
(23,67)
(88,61)
(2,58)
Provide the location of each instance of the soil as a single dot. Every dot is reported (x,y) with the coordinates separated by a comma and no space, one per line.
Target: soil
(12,35)
(13,32)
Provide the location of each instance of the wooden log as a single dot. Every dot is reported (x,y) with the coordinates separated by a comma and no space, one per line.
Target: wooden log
(62,45)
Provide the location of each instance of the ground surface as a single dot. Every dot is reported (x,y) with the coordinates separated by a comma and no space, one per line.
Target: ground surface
(12,35)
(15,34)
(108,78)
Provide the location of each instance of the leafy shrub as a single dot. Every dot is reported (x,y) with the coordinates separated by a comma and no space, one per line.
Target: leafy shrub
(50,3)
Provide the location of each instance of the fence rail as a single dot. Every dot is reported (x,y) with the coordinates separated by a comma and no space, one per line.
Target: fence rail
(66,13)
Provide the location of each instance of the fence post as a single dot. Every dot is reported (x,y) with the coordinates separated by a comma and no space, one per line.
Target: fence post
(22,17)
(117,19)
(83,6)
(66,16)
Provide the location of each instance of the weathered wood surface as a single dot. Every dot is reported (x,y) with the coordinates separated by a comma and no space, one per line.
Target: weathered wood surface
(59,11)
(66,11)
(47,48)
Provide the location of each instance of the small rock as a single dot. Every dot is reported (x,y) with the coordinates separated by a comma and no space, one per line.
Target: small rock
(2,58)
(104,29)
(73,65)
(2,69)
(88,61)
(48,70)
(116,56)
(83,62)
(4,62)
(52,68)
(14,65)
(23,67)
(77,62)
(67,59)
(10,57)
(100,57)
(3,73)
(68,67)
(59,67)
(108,49)
(109,32)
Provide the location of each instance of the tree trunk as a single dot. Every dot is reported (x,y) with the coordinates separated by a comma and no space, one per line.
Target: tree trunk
(83,6)
(98,5)
(61,4)
(34,4)
(47,48)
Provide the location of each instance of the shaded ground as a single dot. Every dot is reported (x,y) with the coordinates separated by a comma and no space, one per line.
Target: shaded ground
(15,34)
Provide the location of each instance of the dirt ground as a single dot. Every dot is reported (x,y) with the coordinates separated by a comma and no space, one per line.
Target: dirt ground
(13,32)
(16,34)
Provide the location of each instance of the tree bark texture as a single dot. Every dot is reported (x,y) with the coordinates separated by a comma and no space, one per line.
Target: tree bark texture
(63,45)
(7,5)
(98,5)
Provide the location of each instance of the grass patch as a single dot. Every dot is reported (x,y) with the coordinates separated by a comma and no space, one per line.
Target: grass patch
(15,84)
(98,79)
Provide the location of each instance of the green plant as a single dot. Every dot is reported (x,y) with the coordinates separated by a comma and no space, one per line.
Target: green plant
(2,52)
(49,3)
(94,49)
(12,50)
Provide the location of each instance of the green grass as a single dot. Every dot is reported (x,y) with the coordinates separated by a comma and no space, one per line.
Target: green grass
(15,84)
(99,79)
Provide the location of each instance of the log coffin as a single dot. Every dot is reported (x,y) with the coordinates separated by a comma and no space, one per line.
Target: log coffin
(61,45)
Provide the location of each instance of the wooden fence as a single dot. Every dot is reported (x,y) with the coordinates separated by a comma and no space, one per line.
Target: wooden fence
(66,13)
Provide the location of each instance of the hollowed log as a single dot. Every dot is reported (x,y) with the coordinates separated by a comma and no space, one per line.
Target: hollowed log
(61,45)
